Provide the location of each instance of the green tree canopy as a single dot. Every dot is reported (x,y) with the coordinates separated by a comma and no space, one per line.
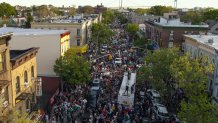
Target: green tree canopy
(73,68)
(6,10)
(29,20)
(86,10)
(159,10)
(157,70)
(72,11)
(192,76)
(211,14)
(121,18)
(42,11)
(195,17)
(141,11)
(54,11)
(108,16)
(101,33)
(132,29)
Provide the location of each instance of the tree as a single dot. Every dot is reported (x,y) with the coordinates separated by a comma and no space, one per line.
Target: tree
(141,11)
(42,11)
(101,33)
(54,11)
(108,16)
(29,20)
(132,29)
(211,14)
(159,10)
(86,10)
(195,17)
(72,11)
(6,10)
(73,68)
(121,18)
(157,71)
(192,76)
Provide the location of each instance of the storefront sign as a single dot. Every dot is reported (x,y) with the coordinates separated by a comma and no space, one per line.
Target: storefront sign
(38,86)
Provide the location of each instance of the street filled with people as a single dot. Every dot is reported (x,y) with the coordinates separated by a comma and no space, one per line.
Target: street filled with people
(102,101)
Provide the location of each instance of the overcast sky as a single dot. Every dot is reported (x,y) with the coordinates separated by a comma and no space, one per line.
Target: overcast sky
(115,3)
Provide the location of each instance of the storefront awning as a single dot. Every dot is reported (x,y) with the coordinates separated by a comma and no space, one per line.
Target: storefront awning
(23,96)
(80,49)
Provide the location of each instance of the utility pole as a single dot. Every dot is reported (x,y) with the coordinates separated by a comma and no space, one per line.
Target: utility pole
(121,4)
(175,3)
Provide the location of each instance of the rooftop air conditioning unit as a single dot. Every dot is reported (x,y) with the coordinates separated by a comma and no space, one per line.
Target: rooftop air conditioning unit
(5,103)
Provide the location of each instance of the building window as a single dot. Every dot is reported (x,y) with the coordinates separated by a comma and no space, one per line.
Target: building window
(78,32)
(217,93)
(78,42)
(25,77)
(32,71)
(17,84)
(2,61)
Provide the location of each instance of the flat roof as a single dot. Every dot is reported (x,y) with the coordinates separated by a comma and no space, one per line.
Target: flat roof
(3,34)
(22,32)
(204,39)
(181,24)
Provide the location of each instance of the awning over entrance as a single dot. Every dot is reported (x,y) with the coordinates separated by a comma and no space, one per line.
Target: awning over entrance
(23,96)
(80,49)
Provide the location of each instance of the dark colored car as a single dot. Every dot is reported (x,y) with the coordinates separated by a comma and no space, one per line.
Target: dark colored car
(92,99)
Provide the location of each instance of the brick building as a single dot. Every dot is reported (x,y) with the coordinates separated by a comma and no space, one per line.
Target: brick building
(168,30)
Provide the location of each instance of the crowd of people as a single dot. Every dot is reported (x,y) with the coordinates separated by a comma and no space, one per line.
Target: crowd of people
(107,109)
(71,105)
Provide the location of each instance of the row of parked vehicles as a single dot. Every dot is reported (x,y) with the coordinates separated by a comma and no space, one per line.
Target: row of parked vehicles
(157,111)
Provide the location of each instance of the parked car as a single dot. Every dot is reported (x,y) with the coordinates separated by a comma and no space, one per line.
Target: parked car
(95,85)
(104,46)
(153,96)
(118,61)
(159,112)
(103,51)
(114,42)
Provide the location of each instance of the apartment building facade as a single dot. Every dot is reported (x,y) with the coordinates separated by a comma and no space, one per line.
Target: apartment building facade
(205,45)
(24,79)
(5,77)
(168,30)
(80,28)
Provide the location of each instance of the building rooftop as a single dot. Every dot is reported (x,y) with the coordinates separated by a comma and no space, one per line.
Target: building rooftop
(165,22)
(27,32)
(15,54)
(181,24)
(205,38)
(3,34)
